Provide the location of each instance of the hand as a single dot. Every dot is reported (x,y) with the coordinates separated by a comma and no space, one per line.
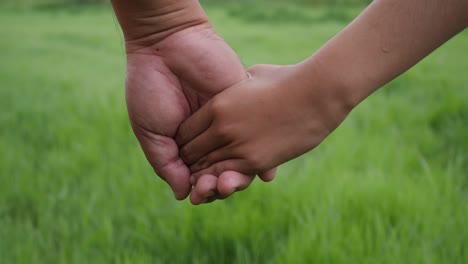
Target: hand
(166,83)
(260,123)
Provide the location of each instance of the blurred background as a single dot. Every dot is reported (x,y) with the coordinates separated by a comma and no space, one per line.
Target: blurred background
(389,186)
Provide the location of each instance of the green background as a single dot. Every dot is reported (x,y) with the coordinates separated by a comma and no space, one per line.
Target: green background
(389,186)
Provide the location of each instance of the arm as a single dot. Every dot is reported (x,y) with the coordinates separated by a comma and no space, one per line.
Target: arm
(285,111)
(387,39)
(175,62)
(146,22)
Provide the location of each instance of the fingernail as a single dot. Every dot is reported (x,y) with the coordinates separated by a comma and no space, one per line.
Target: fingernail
(208,199)
(192,180)
(210,194)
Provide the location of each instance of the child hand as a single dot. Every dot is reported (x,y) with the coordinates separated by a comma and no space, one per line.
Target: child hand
(276,115)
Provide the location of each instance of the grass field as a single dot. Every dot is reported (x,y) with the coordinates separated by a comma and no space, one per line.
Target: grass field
(389,186)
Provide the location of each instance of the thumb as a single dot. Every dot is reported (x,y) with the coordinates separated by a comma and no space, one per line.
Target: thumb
(163,154)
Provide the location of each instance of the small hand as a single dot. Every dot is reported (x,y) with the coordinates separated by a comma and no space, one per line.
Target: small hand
(260,123)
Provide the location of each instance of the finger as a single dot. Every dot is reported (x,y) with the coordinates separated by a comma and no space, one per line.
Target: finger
(238,165)
(163,155)
(232,181)
(268,176)
(205,190)
(201,146)
(210,158)
(194,125)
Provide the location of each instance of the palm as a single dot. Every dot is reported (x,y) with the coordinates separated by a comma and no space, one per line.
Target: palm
(166,83)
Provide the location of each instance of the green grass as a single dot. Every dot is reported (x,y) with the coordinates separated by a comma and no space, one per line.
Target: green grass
(389,186)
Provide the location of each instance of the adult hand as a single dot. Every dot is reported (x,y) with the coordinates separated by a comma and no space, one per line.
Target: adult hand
(171,71)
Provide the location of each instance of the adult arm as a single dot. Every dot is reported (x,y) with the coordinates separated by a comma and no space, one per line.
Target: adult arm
(175,62)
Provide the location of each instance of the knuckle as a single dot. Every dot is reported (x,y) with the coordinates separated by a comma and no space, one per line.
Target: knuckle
(185,154)
(218,169)
(221,126)
(222,131)
(217,103)
(180,137)
(183,132)
(209,160)
(194,168)
(199,165)
(218,106)
(250,159)
(255,161)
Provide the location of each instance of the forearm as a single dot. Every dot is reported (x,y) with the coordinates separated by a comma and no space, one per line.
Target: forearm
(384,41)
(145,22)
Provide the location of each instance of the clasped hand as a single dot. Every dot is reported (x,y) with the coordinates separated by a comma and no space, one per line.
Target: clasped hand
(208,127)
(166,83)
(200,139)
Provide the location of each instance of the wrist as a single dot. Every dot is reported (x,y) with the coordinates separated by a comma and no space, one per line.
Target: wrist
(146,22)
(327,94)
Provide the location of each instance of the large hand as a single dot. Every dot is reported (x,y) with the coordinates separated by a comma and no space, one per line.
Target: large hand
(166,83)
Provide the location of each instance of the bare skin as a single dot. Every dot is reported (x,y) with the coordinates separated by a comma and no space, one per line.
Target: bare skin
(175,63)
(282,112)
